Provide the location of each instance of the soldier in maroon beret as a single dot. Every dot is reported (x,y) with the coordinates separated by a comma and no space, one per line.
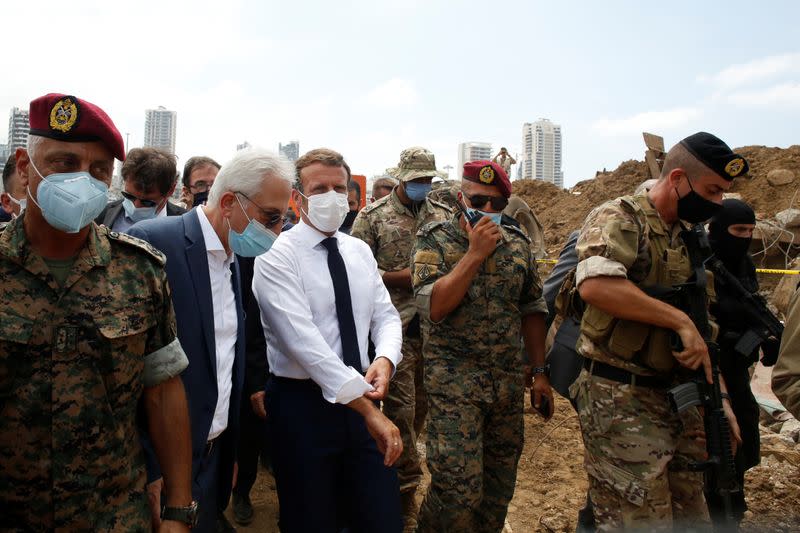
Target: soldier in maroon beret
(478,292)
(87,330)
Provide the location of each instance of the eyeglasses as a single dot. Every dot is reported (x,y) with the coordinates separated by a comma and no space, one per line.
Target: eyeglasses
(201,186)
(145,203)
(272,218)
(479,200)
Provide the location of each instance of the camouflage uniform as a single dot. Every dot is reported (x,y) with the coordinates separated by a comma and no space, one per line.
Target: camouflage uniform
(637,448)
(73,364)
(389,228)
(474,378)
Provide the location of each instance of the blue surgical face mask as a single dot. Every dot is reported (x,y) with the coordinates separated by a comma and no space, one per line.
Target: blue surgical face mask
(494,217)
(138,214)
(253,241)
(417,191)
(69,201)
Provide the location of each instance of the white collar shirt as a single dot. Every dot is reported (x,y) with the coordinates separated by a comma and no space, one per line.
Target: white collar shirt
(225,321)
(294,290)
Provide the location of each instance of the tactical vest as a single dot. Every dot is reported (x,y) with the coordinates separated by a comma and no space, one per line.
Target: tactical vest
(640,343)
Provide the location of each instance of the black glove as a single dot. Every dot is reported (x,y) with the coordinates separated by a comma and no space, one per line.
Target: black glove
(770,348)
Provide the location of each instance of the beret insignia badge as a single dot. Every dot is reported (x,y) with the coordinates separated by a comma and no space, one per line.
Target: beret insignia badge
(486,175)
(734,167)
(64,114)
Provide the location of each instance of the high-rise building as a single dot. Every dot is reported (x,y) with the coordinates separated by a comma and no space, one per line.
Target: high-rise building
(472,151)
(159,128)
(18,126)
(291,151)
(541,152)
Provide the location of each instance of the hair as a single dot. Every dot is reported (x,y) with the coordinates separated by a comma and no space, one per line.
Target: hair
(353,185)
(33,144)
(384,182)
(196,162)
(248,170)
(326,156)
(679,157)
(8,170)
(150,168)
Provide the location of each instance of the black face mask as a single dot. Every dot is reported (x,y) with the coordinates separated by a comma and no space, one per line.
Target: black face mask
(694,208)
(200,199)
(729,248)
(349,218)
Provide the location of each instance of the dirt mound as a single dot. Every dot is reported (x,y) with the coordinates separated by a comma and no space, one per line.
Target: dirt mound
(561,211)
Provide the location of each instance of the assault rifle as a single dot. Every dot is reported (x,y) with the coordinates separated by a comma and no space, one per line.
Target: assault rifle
(719,469)
(766,325)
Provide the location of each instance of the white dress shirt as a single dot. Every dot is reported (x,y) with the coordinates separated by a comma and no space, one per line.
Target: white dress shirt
(225,321)
(294,290)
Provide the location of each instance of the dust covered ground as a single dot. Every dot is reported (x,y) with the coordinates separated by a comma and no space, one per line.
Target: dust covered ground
(551,482)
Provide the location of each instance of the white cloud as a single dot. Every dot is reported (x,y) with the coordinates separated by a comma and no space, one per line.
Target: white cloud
(647,121)
(778,96)
(754,71)
(394,93)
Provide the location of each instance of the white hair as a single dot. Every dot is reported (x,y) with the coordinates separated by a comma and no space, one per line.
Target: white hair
(248,170)
(33,142)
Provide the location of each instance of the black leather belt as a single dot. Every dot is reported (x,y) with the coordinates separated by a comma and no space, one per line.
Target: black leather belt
(603,370)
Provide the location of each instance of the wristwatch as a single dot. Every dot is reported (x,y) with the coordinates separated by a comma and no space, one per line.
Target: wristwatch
(188,515)
(541,370)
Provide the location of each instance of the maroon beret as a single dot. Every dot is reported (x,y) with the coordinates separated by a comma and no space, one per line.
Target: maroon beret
(68,118)
(488,173)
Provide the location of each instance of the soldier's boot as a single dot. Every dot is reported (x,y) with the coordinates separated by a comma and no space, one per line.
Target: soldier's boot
(408,506)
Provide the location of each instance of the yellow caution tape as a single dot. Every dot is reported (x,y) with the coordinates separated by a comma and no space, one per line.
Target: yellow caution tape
(776,271)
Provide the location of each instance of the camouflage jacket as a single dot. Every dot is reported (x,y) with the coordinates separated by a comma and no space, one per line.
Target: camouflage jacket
(485,328)
(73,362)
(389,228)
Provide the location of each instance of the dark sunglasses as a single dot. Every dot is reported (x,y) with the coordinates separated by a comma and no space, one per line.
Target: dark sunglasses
(145,203)
(271,217)
(479,200)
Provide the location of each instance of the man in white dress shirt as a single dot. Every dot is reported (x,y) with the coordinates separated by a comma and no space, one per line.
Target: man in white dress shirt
(321,297)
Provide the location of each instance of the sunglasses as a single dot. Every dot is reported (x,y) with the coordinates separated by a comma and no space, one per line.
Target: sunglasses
(479,200)
(145,203)
(271,217)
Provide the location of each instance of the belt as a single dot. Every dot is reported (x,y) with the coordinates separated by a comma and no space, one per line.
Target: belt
(603,370)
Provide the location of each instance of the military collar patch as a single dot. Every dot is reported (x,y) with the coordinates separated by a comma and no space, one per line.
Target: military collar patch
(486,174)
(64,114)
(734,167)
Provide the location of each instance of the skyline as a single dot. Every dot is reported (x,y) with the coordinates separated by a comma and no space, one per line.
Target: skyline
(372,78)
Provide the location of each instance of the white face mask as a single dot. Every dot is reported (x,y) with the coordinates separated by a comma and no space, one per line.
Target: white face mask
(327,211)
(21,203)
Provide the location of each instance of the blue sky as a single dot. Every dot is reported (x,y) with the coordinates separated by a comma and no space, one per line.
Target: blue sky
(369,78)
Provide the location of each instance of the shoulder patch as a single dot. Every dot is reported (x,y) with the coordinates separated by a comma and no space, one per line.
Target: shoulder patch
(139,244)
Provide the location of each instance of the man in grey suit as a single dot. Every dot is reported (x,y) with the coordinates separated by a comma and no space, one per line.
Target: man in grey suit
(149,176)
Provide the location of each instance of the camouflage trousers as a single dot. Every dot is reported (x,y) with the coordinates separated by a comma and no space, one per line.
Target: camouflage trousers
(637,452)
(475,436)
(406,406)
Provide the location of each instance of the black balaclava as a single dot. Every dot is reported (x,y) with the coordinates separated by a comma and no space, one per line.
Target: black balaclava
(729,249)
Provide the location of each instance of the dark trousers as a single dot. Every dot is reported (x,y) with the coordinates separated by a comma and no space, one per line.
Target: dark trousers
(328,470)
(253,444)
(205,489)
